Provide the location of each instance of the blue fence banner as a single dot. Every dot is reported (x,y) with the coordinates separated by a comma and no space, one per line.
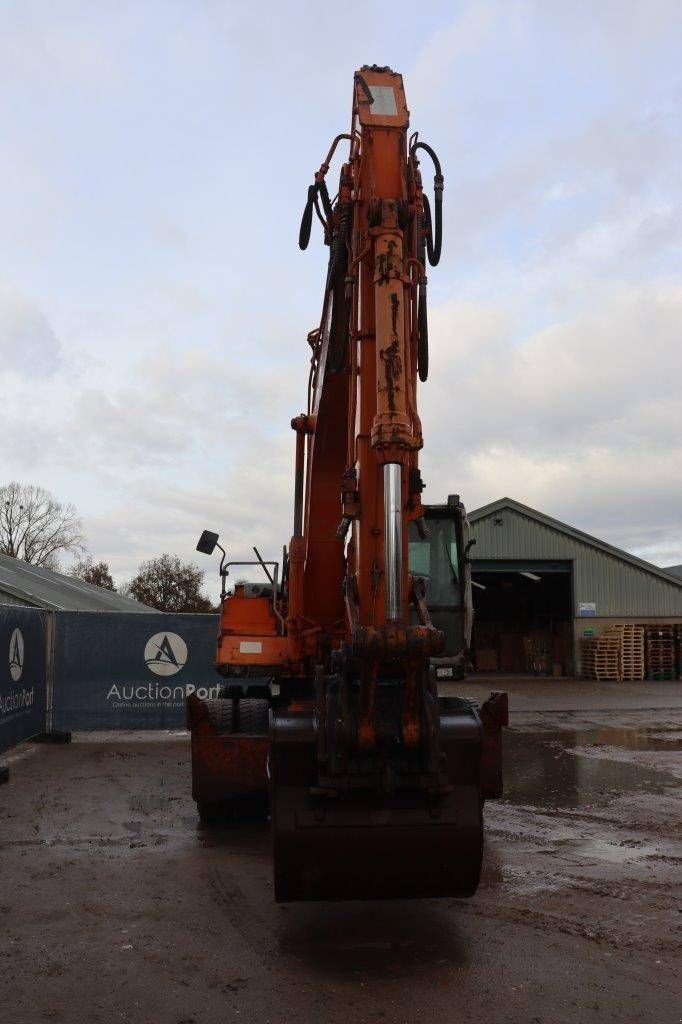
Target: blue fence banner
(23,648)
(130,670)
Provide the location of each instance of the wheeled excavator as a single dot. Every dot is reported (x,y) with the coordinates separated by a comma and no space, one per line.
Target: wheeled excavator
(330,718)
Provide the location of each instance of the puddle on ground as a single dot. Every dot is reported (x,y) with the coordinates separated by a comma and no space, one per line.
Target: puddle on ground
(640,738)
(621,852)
(545,769)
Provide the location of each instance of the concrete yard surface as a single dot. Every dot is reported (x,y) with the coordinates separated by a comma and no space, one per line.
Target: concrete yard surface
(117,906)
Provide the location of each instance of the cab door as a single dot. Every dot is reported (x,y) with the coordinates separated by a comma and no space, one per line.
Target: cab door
(441,560)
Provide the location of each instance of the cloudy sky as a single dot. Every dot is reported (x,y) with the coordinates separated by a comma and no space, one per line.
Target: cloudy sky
(154,159)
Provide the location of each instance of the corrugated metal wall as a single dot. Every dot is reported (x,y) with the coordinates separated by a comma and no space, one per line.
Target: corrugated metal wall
(616,587)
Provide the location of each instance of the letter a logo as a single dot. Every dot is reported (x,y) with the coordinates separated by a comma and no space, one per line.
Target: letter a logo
(16,655)
(165,653)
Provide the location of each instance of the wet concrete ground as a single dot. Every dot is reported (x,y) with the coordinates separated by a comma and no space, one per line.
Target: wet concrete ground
(116,906)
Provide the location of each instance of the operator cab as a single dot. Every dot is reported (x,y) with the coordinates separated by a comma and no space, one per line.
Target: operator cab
(441,560)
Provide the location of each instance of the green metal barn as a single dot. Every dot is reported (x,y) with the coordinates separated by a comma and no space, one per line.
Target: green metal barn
(540,582)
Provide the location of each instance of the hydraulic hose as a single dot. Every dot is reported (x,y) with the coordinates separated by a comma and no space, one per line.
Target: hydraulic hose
(318,188)
(423,330)
(307,218)
(423,239)
(434,237)
(341,292)
(326,201)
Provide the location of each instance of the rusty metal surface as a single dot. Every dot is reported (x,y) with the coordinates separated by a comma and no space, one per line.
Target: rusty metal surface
(494,715)
(224,766)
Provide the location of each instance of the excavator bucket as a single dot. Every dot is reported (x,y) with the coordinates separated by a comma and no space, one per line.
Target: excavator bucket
(352,845)
(355,845)
(229,757)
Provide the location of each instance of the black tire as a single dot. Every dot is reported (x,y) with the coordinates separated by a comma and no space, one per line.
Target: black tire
(221,712)
(254,717)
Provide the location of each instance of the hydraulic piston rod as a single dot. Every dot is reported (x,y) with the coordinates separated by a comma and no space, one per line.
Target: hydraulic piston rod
(393,540)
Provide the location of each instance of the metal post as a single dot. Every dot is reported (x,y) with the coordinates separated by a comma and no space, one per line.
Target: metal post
(393,540)
(50,630)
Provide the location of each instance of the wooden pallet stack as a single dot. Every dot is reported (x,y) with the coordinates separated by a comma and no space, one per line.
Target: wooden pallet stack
(588,651)
(632,649)
(609,656)
(601,657)
(660,651)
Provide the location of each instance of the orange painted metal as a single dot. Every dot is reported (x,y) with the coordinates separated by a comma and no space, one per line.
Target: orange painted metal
(365,415)
(248,616)
(250,636)
(361,414)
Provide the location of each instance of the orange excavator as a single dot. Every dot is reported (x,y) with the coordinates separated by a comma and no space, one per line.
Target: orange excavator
(330,717)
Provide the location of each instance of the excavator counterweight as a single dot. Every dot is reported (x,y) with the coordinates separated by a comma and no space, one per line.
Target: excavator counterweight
(376,781)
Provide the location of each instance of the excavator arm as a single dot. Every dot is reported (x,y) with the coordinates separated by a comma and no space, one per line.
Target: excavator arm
(376,782)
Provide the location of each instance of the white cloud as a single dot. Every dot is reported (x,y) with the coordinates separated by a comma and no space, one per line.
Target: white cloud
(581,419)
(28,344)
(432,73)
(39,45)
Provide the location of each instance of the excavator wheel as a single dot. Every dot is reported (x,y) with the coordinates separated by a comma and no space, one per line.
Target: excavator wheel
(229,757)
(254,717)
(220,712)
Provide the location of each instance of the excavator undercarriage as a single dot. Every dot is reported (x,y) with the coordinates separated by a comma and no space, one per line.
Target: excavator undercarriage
(330,718)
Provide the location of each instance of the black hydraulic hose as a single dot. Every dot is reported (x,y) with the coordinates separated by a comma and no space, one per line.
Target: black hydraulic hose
(434,254)
(428,232)
(436,162)
(318,188)
(307,218)
(326,201)
(423,330)
(342,291)
(435,237)
(319,212)
(423,239)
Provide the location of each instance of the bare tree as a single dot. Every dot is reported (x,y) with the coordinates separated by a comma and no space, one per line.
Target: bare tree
(170,585)
(96,573)
(35,527)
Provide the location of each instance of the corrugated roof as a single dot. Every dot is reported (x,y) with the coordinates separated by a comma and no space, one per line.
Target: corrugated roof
(47,589)
(674,570)
(585,538)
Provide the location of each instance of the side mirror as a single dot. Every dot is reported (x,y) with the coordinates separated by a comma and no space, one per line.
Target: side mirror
(207,542)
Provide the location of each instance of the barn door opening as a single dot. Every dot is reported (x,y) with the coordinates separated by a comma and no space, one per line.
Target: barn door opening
(523,617)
